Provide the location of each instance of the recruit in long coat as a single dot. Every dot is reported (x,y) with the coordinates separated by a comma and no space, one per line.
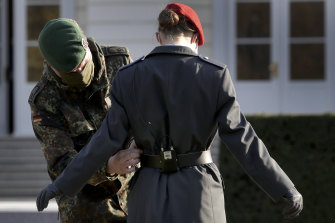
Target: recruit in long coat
(175,92)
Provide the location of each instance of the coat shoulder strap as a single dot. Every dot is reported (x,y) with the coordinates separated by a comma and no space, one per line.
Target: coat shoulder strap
(134,62)
(213,62)
(114,50)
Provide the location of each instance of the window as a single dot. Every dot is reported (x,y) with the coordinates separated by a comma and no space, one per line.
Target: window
(38,13)
(307,51)
(253,40)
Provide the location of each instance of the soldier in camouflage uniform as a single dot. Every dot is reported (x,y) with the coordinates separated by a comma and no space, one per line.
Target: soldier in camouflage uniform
(67,111)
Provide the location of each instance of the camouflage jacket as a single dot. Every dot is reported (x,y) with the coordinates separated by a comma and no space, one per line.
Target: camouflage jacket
(64,121)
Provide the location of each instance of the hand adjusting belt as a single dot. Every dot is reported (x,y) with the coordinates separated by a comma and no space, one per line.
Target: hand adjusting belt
(170,162)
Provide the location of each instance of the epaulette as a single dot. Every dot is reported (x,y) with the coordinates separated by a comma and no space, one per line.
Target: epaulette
(131,64)
(36,90)
(213,62)
(115,50)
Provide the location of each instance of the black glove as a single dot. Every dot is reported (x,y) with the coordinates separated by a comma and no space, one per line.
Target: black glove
(295,204)
(45,195)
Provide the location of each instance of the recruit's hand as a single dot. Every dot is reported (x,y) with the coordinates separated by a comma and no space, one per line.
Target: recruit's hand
(295,204)
(45,195)
(125,160)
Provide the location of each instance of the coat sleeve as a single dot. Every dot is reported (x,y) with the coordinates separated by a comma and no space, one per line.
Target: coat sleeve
(109,139)
(244,144)
(56,144)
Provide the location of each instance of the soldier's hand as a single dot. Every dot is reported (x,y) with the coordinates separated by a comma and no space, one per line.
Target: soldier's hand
(295,204)
(124,161)
(45,195)
(132,145)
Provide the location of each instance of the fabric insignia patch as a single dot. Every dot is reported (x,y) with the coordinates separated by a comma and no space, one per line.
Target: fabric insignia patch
(84,43)
(37,118)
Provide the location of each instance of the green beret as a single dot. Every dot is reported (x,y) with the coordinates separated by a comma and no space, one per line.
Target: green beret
(62,44)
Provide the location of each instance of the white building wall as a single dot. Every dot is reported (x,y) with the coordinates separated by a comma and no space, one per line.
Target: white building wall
(330,53)
(133,23)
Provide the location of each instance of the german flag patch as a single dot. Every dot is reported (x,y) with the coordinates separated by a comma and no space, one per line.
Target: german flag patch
(37,118)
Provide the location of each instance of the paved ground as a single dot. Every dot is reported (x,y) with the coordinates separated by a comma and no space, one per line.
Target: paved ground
(24,217)
(24,211)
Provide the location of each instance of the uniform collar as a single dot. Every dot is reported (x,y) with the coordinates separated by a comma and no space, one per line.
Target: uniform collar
(173,49)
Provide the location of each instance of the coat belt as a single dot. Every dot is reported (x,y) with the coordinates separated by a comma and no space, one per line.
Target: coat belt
(183,160)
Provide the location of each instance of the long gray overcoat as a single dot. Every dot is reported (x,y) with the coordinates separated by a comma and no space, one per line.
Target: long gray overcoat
(175,95)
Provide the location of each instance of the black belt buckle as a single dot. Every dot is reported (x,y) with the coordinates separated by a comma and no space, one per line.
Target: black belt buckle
(168,160)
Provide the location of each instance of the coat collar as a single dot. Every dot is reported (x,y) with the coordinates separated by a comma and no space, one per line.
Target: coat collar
(172,49)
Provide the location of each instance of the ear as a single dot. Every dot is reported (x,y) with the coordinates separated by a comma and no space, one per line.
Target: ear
(194,38)
(54,69)
(158,37)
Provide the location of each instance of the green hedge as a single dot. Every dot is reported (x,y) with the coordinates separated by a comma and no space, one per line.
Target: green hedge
(304,146)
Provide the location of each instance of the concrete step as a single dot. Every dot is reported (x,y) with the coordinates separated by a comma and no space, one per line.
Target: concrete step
(20,193)
(20,167)
(23,169)
(24,152)
(20,158)
(14,184)
(11,142)
(19,187)
(41,175)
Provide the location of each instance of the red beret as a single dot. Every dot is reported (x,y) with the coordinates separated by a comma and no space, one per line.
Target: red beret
(191,15)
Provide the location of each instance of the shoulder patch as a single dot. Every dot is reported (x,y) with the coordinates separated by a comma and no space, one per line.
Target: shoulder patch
(131,64)
(213,62)
(114,50)
(36,90)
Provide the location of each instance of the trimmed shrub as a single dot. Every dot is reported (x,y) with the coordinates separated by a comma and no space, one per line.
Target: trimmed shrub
(304,146)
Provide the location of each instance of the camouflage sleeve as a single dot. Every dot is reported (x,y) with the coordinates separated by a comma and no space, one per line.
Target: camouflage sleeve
(57,146)
(123,193)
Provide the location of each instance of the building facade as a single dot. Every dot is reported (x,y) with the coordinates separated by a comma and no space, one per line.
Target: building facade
(280,53)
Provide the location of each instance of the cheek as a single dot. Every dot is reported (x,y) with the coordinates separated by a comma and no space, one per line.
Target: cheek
(87,58)
(89,55)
